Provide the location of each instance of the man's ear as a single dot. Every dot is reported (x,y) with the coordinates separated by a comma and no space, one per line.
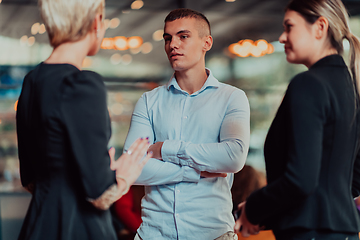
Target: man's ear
(208,42)
(321,27)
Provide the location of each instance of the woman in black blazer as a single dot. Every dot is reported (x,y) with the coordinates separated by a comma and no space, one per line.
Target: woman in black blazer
(63,129)
(310,150)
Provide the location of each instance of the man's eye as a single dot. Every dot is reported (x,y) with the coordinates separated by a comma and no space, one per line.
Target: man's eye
(184,36)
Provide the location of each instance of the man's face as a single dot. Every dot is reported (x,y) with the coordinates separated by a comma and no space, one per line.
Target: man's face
(184,47)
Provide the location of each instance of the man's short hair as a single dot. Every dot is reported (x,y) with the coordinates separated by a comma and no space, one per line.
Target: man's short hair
(204,26)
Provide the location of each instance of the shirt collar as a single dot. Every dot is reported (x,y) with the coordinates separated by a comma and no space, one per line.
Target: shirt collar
(211,82)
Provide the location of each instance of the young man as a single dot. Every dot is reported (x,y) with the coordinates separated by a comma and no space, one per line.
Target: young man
(200,129)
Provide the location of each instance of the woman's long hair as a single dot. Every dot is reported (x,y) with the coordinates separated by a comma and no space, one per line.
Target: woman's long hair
(336,14)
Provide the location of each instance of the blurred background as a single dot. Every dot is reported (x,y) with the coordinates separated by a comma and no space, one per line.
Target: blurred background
(246,54)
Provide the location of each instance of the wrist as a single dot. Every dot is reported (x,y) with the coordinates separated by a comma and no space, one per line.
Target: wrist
(123,184)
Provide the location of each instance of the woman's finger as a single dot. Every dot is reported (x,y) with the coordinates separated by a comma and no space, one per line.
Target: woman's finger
(133,147)
(146,159)
(140,150)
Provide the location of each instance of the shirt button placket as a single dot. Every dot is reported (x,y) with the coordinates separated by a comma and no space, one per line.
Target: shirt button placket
(184,117)
(177,192)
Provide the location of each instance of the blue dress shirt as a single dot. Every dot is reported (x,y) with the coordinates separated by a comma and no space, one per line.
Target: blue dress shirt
(208,130)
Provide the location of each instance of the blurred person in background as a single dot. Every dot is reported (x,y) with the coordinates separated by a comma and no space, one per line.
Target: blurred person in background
(200,129)
(247,181)
(63,129)
(311,150)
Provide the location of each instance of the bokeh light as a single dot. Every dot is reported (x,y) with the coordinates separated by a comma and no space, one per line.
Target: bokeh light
(158,35)
(114,23)
(137,4)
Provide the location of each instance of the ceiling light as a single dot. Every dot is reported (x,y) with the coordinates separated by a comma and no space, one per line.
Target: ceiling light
(234,48)
(120,43)
(114,23)
(158,35)
(230,0)
(118,97)
(135,50)
(137,4)
(256,52)
(31,41)
(146,48)
(23,40)
(270,49)
(42,29)
(107,43)
(134,42)
(35,28)
(262,44)
(115,59)
(127,59)
(117,108)
(247,47)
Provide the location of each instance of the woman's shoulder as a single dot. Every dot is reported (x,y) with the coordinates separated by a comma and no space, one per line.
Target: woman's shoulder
(307,85)
(84,83)
(305,77)
(307,81)
(67,71)
(86,76)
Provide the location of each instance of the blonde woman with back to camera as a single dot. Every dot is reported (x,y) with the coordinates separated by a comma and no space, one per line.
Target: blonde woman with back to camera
(63,129)
(311,150)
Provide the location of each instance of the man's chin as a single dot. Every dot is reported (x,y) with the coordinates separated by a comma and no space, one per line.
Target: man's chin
(177,67)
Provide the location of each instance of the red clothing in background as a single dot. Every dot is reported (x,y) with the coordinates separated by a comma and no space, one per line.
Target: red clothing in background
(128,211)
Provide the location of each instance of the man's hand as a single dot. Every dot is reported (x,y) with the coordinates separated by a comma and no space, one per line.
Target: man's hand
(156,149)
(206,174)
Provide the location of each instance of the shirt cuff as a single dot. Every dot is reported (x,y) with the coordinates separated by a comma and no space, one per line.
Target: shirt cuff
(191,174)
(169,151)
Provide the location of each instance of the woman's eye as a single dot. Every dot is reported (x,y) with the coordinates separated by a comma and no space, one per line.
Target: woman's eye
(288,27)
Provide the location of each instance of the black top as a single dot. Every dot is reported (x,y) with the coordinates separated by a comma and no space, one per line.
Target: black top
(63,129)
(310,154)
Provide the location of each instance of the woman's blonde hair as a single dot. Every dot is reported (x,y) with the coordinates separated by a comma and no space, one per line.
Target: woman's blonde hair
(336,14)
(69,20)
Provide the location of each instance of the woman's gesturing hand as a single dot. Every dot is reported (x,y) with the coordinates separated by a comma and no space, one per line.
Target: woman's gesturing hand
(129,165)
(128,168)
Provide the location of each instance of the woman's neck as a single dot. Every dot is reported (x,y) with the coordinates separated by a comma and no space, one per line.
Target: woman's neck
(320,55)
(72,53)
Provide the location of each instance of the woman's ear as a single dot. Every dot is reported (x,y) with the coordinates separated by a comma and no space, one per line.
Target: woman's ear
(321,27)
(208,42)
(97,22)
